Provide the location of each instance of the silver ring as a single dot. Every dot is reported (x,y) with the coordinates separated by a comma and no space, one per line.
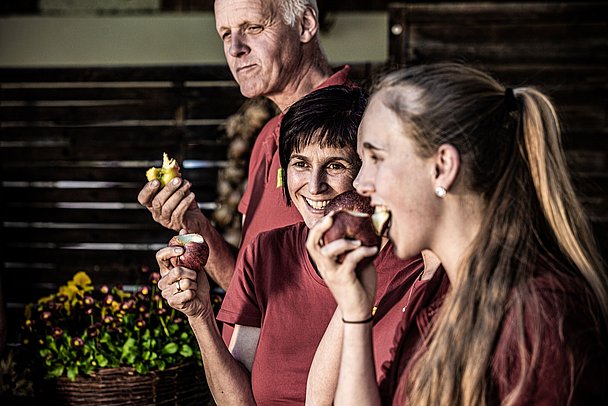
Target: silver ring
(179,288)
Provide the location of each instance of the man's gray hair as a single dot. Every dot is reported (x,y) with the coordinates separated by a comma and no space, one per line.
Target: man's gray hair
(290,10)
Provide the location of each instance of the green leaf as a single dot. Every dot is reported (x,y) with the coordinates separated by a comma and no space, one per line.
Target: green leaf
(128,347)
(186,351)
(101,360)
(72,372)
(55,372)
(170,348)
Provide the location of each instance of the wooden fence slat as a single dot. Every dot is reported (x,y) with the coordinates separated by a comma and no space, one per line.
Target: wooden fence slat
(203,150)
(128,193)
(89,92)
(45,172)
(178,74)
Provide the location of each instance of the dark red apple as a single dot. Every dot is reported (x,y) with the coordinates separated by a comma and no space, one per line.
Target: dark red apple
(350,200)
(352,220)
(196,251)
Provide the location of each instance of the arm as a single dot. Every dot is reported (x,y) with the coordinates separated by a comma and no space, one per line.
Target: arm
(323,374)
(354,292)
(175,207)
(228,375)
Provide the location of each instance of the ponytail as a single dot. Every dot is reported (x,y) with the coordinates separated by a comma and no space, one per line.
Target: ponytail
(555,192)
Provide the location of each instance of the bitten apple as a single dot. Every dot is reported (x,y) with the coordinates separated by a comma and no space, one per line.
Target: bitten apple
(196,251)
(381,218)
(168,171)
(352,220)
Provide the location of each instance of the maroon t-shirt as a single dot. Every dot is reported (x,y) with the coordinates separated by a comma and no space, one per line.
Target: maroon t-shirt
(275,287)
(263,202)
(572,365)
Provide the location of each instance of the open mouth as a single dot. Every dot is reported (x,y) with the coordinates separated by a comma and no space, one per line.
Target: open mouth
(317,204)
(381,219)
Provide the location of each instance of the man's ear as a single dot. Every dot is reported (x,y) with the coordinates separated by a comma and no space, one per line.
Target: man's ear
(309,25)
(447,166)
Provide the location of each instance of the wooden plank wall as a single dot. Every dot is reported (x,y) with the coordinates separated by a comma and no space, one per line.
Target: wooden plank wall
(75,144)
(560,47)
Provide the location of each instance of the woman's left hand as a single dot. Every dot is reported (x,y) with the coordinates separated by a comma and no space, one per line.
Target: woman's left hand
(354,289)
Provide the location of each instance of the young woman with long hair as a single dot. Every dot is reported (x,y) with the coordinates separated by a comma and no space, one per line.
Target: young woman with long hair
(476,173)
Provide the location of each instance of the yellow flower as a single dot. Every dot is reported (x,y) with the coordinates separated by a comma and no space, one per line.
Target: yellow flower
(46,299)
(82,280)
(70,290)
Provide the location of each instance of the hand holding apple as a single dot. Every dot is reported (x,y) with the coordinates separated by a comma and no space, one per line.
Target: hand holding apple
(196,251)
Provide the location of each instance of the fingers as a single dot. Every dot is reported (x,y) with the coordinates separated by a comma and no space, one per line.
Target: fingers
(147,193)
(170,196)
(179,212)
(179,293)
(186,277)
(316,233)
(163,258)
(357,255)
(170,204)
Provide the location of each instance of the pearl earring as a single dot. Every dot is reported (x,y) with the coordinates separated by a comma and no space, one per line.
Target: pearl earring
(440,192)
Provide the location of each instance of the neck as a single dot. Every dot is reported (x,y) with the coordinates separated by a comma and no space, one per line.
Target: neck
(457,228)
(309,77)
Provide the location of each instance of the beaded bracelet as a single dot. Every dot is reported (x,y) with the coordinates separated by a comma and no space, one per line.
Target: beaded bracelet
(370,318)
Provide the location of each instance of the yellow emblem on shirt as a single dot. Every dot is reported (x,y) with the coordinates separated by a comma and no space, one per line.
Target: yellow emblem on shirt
(280,178)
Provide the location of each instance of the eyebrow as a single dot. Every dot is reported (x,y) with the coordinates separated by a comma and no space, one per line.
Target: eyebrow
(367,145)
(330,158)
(243,24)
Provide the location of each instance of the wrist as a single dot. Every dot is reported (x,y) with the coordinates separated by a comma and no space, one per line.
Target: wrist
(206,313)
(358,321)
(357,317)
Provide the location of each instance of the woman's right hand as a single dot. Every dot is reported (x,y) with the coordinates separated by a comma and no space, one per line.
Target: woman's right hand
(354,289)
(191,294)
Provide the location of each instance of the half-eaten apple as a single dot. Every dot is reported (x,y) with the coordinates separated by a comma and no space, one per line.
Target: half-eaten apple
(351,220)
(196,251)
(381,219)
(168,171)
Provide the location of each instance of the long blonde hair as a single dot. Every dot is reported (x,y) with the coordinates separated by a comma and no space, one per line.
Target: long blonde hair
(509,142)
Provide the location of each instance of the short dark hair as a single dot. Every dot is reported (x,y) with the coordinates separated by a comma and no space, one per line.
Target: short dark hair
(329,116)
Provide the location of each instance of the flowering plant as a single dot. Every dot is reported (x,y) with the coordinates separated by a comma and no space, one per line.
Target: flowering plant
(81,329)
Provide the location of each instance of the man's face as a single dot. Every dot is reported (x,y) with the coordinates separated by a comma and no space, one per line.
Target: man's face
(262,52)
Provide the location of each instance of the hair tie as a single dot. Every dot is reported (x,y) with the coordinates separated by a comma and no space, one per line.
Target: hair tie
(510,100)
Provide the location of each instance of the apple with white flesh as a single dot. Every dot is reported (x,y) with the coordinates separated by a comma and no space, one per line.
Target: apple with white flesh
(351,220)
(168,171)
(196,251)
(381,218)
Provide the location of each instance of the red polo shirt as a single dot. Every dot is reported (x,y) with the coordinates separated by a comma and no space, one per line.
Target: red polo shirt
(263,202)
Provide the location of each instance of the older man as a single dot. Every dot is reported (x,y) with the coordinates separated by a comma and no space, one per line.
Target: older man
(273,50)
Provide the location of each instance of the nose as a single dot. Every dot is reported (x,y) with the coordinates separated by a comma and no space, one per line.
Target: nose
(363,184)
(317,183)
(238,47)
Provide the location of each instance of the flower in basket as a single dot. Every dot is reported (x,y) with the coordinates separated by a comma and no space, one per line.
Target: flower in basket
(81,329)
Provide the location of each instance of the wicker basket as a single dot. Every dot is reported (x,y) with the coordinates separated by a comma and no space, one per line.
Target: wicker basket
(183,384)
